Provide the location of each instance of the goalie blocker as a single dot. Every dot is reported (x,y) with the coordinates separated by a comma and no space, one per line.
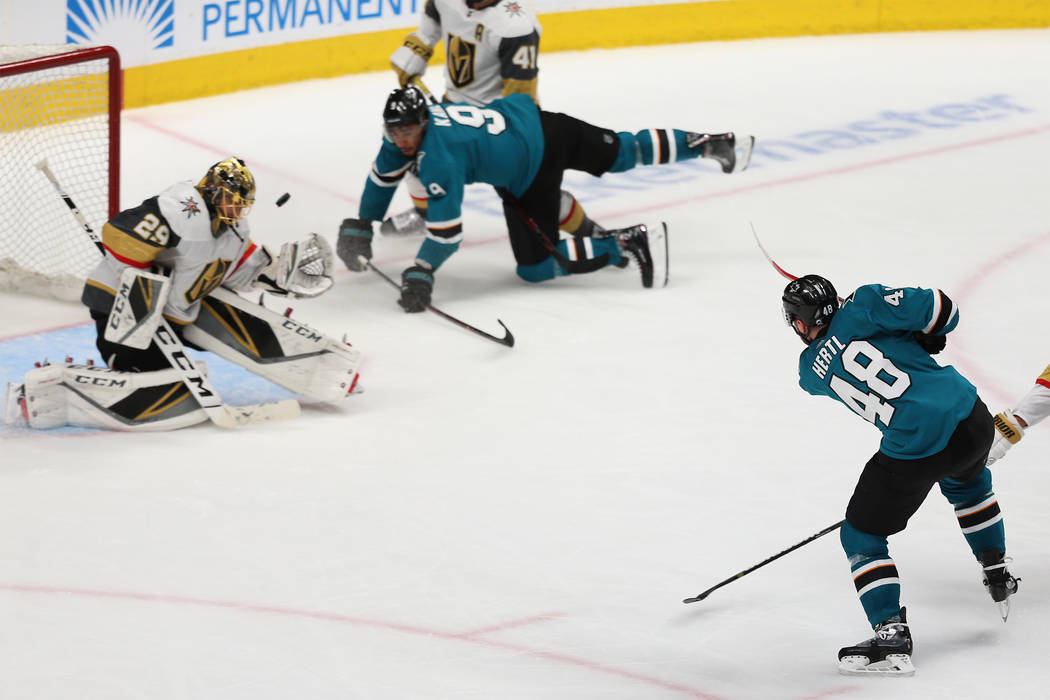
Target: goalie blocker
(271,345)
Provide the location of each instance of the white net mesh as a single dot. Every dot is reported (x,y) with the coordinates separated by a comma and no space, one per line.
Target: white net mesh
(58,112)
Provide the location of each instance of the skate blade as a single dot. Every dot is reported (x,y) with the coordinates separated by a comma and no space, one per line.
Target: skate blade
(893,665)
(407,223)
(744,146)
(1004,608)
(659,254)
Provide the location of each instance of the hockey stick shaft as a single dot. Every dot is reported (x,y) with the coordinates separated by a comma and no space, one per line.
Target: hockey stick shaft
(204,391)
(772,262)
(507,339)
(417,80)
(571,266)
(196,381)
(734,577)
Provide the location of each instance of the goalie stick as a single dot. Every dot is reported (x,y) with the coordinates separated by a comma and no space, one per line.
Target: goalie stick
(197,382)
(507,339)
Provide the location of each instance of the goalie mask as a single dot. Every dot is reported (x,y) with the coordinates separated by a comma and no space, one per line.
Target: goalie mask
(229,189)
(809,302)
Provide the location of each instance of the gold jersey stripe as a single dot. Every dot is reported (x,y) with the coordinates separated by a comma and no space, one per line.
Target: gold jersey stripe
(101,287)
(171,398)
(525,87)
(575,219)
(127,246)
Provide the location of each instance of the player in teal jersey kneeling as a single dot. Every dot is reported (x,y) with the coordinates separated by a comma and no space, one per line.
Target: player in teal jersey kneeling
(523,151)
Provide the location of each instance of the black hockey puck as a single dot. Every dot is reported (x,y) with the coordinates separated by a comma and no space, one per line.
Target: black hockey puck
(283,198)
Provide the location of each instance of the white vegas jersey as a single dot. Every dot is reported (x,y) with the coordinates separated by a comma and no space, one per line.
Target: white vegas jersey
(174,231)
(490,52)
(1035,406)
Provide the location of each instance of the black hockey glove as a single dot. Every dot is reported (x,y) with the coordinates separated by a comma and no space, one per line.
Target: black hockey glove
(417,283)
(354,243)
(932,344)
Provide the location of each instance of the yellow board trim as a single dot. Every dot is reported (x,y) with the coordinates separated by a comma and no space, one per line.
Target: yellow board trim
(565,31)
(53,102)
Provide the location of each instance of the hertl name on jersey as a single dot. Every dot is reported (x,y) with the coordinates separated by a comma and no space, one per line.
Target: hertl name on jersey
(824,357)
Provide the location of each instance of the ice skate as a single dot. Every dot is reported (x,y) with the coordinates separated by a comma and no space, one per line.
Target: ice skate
(14,412)
(648,247)
(887,653)
(998,580)
(407,223)
(731,152)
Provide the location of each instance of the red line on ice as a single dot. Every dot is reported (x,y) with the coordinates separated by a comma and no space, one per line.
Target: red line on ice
(363,622)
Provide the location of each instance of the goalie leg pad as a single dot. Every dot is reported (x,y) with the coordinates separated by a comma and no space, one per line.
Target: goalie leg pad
(281,349)
(95,397)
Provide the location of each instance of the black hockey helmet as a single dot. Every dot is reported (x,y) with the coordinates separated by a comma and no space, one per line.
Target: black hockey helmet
(813,301)
(404,106)
(474,4)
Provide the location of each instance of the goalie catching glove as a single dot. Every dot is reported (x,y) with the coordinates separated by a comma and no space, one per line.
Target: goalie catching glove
(302,269)
(1008,432)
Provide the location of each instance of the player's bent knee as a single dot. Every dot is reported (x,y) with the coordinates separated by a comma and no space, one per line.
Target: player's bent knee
(629,154)
(855,542)
(539,272)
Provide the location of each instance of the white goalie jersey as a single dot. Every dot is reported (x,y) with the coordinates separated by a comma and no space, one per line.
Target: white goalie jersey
(174,231)
(490,52)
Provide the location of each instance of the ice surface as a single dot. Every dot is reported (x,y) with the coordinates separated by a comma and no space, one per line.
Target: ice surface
(487,522)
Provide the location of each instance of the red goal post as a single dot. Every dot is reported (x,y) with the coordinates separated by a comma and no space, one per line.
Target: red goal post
(60,103)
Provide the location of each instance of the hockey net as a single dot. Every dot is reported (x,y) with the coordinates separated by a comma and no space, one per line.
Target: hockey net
(60,104)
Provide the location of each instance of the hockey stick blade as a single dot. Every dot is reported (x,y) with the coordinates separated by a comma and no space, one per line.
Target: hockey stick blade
(761,247)
(239,416)
(507,339)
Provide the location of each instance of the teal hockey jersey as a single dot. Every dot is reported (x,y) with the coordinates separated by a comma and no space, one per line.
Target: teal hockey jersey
(869,360)
(500,144)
